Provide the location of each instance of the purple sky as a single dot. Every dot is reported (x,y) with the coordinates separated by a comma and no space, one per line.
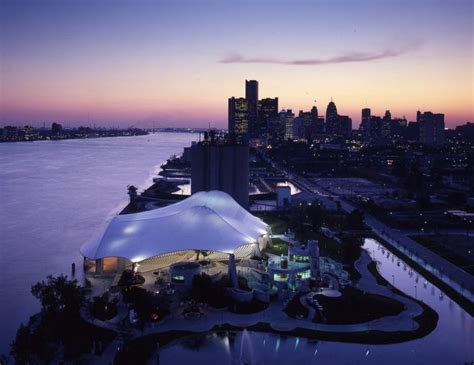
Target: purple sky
(176,62)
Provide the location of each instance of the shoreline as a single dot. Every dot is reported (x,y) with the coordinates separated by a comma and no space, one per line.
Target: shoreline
(462,301)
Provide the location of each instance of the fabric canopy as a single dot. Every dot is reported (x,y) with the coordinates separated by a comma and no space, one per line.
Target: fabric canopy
(210,220)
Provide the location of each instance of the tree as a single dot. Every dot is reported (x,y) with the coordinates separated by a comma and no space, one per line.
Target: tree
(21,347)
(59,293)
(315,216)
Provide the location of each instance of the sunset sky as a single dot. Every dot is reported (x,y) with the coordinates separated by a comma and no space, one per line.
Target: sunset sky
(176,62)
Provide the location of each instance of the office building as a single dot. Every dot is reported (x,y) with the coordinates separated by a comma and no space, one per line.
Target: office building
(238,118)
(267,111)
(431,128)
(251,95)
(331,119)
(344,126)
(287,117)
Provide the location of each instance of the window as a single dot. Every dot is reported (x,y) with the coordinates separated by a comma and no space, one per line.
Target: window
(299,258)
(177,279)
(110,264)
(305,274)
(280,277)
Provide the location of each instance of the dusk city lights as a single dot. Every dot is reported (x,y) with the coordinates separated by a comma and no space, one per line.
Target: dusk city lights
(236,182)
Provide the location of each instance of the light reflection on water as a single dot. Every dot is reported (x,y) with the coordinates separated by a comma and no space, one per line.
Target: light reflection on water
(452,342)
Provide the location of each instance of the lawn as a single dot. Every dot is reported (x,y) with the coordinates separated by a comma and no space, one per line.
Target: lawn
(295,309)
(354,306)
(279,247)
(278,226)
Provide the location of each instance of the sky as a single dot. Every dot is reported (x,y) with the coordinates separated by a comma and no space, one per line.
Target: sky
(176,62)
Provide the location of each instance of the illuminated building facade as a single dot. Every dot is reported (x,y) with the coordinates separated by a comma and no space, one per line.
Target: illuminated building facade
(238,117)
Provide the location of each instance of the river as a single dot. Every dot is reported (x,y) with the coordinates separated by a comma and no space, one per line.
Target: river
(54,195)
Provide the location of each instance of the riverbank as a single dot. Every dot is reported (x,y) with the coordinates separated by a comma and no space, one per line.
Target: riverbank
(463,302)
(84,184)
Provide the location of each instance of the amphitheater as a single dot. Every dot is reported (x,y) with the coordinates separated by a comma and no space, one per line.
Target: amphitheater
(207,226)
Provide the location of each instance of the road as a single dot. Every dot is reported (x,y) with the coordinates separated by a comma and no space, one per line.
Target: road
(456,278)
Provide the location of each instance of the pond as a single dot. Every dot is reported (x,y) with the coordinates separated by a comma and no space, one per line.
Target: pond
(452,342)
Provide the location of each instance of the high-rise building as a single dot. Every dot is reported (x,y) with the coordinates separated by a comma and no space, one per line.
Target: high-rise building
(344,126)
(286,118)
(238,118)
(251,94)
(267,111)
(375,127)
(431,127)
(365,124)
(298,128)
(307,124)
(219,166)
(331,119)
(386,126)
(56,129)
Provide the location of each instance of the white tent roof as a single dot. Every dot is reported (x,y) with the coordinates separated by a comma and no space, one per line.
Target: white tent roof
(210,220)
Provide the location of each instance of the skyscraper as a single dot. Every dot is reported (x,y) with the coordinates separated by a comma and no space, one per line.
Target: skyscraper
(331,119)
(344,126)
(251,94)
(365,124)
(267,111)
(286,118)
(317,122)
(431,128)
(307,124)
(386,127)
(238,118)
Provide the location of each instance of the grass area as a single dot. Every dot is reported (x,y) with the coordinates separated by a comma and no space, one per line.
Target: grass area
(253,306)
(279,247)
(355,306)
(295,309)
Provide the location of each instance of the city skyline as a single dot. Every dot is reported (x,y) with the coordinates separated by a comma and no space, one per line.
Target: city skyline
(176,65)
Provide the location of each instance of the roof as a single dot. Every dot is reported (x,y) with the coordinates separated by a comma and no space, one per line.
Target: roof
(210,220)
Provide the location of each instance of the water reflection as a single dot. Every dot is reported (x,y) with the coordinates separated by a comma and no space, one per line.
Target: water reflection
(452,342)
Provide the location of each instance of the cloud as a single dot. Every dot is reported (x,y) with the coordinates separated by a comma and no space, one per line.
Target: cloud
(344,58)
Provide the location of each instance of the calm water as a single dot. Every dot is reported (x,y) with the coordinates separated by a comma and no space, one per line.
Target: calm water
(452,342)
(54,196)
